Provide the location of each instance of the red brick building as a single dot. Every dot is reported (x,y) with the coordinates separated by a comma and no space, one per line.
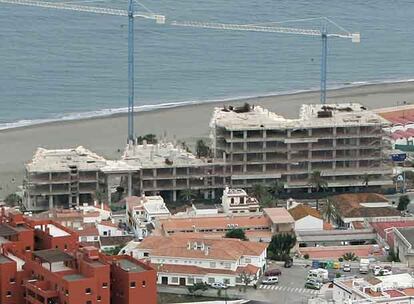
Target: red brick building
(42,263)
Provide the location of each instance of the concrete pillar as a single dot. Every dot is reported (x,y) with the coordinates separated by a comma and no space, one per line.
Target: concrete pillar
(129,183)
(97,180)
(108,191)
(213,194)
(50,201)
(77,200)
(174,193)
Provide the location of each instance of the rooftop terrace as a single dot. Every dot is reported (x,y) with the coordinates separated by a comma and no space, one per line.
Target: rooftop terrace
(129,266)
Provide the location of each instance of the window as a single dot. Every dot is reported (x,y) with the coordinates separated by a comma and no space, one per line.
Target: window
(8,294)
(88,302)
(212,264)
(174,280)
(88,291)
(84,238)
(211,280)
(190,281)
(144,284)
(27,248)
(99,298)
(132,284)
(104,285)
(146,254)
(95,238)
(248,260)
(12,280)
(66,292)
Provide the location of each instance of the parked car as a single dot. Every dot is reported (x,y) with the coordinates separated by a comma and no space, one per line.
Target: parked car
(376,270)
(219,286)
(346,268)
(273,272)
(313,285)
(270,280)
(385,272)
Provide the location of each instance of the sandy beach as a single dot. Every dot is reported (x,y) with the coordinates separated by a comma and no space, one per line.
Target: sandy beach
(107,135)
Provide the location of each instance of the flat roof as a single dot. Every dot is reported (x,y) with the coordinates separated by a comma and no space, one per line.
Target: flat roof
(53,255)
(129,266)
(4,260)
(74,277)
(408,234)
(60,160)
(279,215)
(257,118)
(6,230)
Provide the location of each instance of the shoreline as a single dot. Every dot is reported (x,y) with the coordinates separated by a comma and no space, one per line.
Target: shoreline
(107,135)
(173,105)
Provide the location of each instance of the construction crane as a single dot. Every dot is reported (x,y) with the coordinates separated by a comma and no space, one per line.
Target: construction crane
(323,33)
(130,13)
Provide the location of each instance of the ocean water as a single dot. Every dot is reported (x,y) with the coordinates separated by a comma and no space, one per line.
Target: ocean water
(67,65)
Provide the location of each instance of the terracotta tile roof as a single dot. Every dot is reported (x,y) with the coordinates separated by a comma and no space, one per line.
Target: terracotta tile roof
(301,211)
(249,269)
(88,231)
(95,244)
(329,252)
(409,291)
(374,281)
(224,249)
(108,224)
(394,293)
(278,215)
(213,222)
(349,205)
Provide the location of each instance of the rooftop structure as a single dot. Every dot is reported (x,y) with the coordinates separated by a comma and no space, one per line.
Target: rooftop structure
(387,289)
(306,218)
(237,201)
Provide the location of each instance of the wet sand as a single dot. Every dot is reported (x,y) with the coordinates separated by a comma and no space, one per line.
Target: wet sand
(107,135)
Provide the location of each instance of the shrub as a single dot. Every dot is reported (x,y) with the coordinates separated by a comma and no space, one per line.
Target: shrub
(306,256)
(341,259)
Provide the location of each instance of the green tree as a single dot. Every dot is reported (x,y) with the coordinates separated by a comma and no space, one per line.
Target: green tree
(280,246)
(258,191)
(267,201)
(403,202)
(13,199)
(246,279)
(197,288)
(318,183)
(329,212)
(236,233)
(100,196)
(349,256)
(393,256)
(202,150)
(187,195)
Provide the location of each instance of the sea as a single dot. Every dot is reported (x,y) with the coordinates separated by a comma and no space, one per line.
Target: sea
(65,65)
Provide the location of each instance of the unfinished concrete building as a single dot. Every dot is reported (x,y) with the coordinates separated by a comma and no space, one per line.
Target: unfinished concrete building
(62,178)
(165,169)
(343,142)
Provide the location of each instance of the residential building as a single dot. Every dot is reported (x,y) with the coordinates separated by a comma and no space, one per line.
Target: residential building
(357,207)
(143,211)
(40,263)
(339,140)
(237,201)
(403,244)
(306,218)
(280,220)
(396,289)
(107,228)
(181,260)
(385,229)
(62,178)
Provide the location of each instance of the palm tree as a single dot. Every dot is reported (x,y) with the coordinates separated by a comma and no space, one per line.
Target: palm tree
(259,191)
(366,178)
(276,188)
(317,182)
(187,195)
(329,212)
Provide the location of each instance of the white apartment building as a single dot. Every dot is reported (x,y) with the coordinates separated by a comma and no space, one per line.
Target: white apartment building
(181,260)
(398,289)
(143,211)
(237,201)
